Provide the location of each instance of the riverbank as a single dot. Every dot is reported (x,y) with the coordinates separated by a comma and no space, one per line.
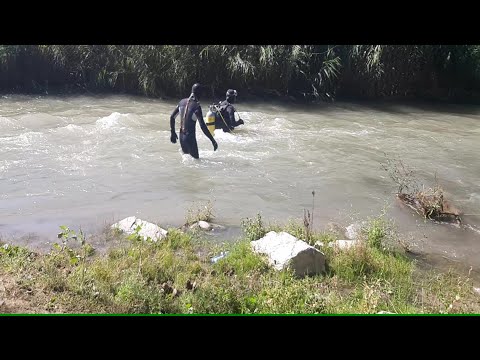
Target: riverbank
(176,275)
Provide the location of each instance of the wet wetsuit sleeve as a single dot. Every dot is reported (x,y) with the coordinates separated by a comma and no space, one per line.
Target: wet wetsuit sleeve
(172,118)
(205,130)
(231,116)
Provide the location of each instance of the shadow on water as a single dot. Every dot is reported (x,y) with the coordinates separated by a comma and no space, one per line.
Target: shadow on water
(437,262)
(405,107)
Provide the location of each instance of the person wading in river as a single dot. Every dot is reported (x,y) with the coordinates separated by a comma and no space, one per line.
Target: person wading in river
(190,111)
(225,117)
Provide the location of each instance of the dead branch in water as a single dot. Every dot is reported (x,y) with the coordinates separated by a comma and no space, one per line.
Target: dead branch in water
(428,202)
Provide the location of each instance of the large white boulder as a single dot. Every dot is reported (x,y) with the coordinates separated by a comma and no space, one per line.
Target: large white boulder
(284,250)
(148,230)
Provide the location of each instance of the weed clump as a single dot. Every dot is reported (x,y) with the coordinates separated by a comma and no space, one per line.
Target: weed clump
(427,201)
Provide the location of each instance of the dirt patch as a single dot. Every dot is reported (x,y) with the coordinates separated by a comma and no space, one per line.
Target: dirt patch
(15,298)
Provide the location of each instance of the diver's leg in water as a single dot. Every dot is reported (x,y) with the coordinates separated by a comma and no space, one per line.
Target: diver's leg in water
(192,142)
(184,143)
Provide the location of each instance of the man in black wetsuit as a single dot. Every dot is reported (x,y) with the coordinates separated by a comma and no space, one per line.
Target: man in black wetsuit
(225,118)
(190,111)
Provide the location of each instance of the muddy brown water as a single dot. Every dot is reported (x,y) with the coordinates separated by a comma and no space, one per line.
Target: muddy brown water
(89,161)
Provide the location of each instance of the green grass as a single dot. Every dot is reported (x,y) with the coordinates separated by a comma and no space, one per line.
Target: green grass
(176,276)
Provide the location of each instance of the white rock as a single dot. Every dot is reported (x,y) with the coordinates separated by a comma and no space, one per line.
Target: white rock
(345,244)
(339,244)
(354,230)
(384,312)
(204,225)
(148,230)
(477,290)
(284,250)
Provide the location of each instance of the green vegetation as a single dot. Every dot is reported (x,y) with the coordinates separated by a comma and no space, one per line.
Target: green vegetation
(308,72)
(175,275)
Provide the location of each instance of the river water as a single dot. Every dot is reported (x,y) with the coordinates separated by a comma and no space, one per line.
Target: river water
(91,160)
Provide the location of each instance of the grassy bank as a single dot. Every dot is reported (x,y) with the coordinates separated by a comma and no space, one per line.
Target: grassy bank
(176,276)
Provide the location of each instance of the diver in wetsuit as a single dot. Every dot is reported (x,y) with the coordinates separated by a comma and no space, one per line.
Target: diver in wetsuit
(190,111)
(225,117)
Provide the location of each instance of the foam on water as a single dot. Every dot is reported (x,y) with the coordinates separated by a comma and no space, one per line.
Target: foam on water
(110,121)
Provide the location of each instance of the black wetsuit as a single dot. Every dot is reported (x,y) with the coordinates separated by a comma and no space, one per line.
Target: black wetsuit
(190,111)
(225,119)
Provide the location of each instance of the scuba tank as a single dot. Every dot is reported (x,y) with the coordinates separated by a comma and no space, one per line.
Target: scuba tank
(211,119)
